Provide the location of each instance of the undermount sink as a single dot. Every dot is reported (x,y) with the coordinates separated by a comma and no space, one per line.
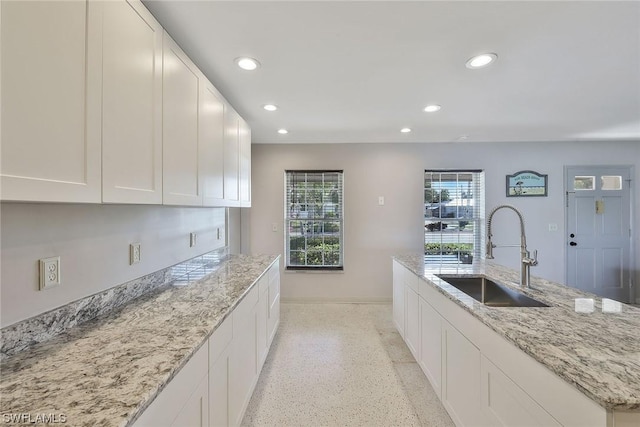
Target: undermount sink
(491,293)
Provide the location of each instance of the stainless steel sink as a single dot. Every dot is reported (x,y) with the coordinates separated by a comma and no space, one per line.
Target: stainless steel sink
(491,293)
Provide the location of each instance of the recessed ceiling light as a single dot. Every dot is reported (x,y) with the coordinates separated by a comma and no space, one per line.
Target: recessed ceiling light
(270,107)
(432,108)
(283,131)
(405,130)
(481,60)
(247,63)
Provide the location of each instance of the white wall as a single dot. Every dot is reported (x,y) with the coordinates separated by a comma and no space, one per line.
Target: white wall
(93,244)
(374,233)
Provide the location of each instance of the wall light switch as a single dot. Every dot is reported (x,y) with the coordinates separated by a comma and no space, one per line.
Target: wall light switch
(553,227)
(380,200)
(192,239)
(49,272)
(274,227)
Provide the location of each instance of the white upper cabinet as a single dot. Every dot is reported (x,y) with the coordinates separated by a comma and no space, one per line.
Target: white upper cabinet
(231,157)
(211,148)
(50,109)
(100,105)
(180,83)
(131,104)
(244,137)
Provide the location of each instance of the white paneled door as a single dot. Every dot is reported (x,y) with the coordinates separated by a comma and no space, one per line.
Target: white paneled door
(598,227)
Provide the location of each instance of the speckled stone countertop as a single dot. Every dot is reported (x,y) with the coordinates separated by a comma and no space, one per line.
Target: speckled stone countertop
(107,371)
(597,352)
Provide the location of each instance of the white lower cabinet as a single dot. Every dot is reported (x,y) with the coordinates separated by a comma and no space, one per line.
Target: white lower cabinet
(506,404)
(431,345)
(215,386)
(398,297)
(461,378)
(219,359)
(480,377)
(412,320)
(273,316)
(262,336)
(195,412)
(244,355)
(183,402)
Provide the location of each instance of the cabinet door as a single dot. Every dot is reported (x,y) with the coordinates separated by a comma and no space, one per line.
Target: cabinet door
(262,336)
(131,104)
(219,357)
(244,136)
(195,412)
(184,398)
(50,102)
(231,157)
(244,356)
(398,297)
(211,146)
(218,391)
(180,82)
(461,378)
(431,345)
(274,301)
(506,404)
(412,321)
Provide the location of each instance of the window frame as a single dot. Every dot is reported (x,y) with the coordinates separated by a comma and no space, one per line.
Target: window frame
(316,222)
(453,243)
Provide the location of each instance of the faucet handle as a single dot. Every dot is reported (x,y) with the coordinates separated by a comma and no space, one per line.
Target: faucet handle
(534,260)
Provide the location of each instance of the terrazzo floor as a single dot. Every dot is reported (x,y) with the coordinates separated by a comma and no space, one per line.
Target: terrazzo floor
(342,365)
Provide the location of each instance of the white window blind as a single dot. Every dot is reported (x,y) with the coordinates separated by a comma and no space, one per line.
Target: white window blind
(453,215)
(314,220)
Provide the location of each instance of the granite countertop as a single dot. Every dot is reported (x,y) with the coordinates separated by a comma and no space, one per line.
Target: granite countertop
(597,352)
(108,370)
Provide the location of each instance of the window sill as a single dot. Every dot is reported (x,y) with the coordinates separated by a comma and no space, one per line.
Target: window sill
(295,270)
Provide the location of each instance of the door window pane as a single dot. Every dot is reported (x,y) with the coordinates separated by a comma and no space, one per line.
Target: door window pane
(584,182)
(610,182)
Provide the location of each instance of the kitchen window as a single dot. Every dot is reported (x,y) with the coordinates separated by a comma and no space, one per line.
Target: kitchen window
(453,213)
(314,220)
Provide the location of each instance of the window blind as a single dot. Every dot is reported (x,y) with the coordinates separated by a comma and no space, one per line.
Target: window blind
(453,215)
(314,219)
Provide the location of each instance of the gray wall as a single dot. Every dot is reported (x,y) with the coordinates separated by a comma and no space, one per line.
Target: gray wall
(374,233)
(93,244)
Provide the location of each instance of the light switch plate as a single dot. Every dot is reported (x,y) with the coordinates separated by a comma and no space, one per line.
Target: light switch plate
(192,239)
(49,272)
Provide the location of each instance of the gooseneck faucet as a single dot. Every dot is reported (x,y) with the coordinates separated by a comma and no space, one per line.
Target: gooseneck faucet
(526,261)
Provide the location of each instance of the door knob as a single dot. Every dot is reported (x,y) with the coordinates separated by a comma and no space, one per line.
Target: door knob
(573,244)
(572,235)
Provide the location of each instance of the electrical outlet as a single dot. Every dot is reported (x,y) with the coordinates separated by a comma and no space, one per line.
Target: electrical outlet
(380,200)
(192,239)
(134,253)
(49,272)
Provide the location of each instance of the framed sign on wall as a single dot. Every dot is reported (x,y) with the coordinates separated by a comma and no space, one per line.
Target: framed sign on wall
(526,184)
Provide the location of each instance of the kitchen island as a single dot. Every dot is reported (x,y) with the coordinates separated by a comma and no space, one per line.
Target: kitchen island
(594,351)
(107,371)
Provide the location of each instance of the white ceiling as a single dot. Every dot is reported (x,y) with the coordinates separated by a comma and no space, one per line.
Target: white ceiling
(359,71)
